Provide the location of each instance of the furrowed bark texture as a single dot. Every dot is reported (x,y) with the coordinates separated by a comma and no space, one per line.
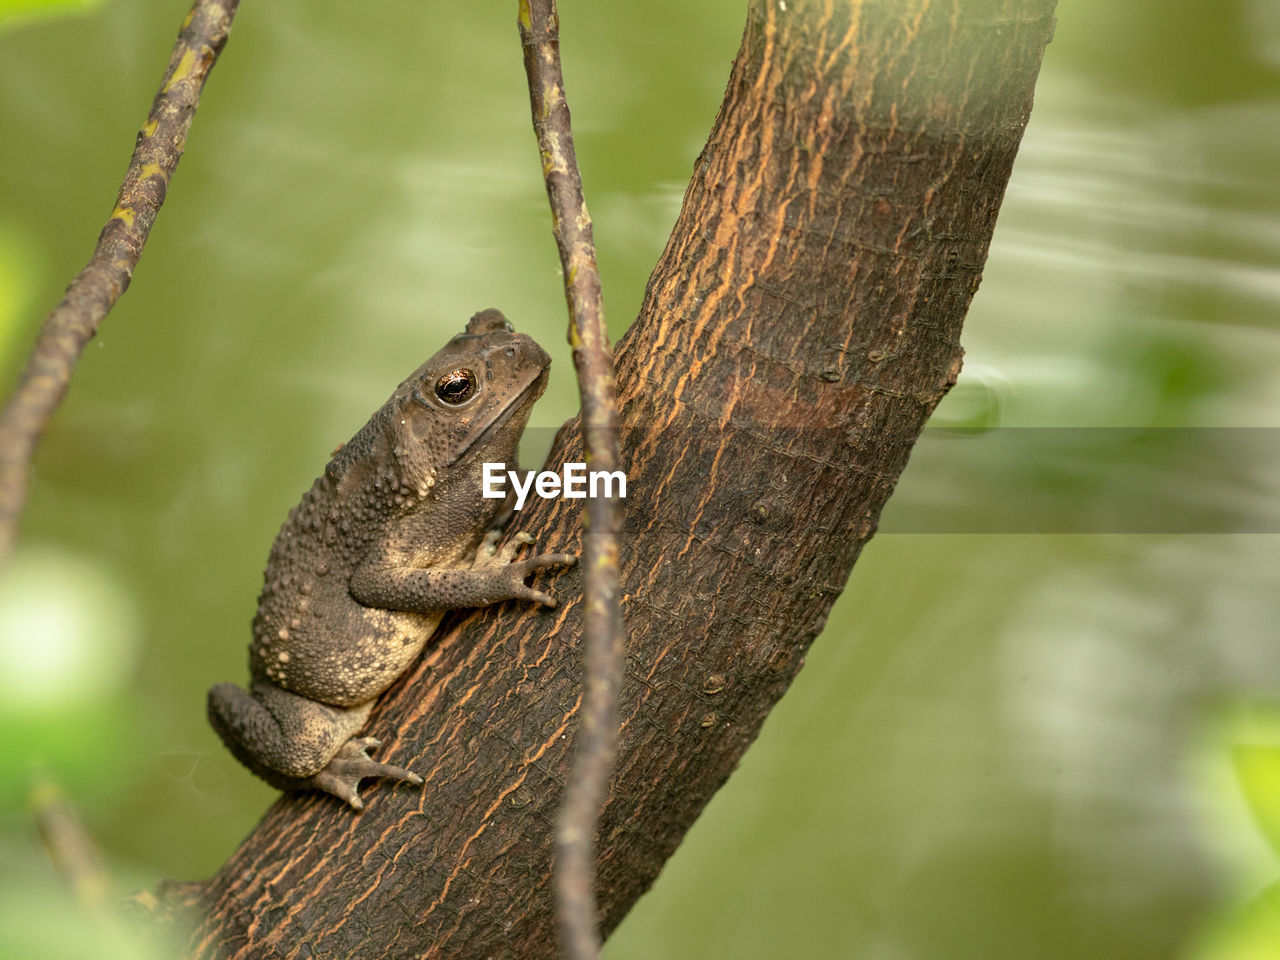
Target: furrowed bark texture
(799,328)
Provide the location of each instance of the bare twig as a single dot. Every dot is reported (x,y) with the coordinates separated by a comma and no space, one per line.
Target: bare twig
(593,360)
(67,842)
(104,279)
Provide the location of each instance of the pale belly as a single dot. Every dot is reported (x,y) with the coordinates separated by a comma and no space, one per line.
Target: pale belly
(347,662)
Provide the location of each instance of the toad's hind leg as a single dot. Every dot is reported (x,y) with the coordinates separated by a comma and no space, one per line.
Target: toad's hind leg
(296,744)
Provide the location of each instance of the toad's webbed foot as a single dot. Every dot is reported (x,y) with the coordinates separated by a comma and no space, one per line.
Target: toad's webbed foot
(350,765)
(298,744)
(504,565)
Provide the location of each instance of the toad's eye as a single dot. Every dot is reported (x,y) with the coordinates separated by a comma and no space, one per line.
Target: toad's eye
(456,386)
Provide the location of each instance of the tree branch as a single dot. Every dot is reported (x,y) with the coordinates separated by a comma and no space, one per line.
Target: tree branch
(71,850)
(797,331)
(592,357)
(95,290)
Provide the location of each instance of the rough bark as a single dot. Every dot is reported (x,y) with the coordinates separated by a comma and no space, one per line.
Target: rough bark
(798,330)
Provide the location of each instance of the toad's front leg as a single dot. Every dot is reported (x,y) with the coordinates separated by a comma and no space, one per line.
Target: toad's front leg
(492,578)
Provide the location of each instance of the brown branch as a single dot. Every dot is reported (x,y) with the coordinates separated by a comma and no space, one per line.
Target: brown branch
(71,850)
(593,360)
(95,290)
(799,328)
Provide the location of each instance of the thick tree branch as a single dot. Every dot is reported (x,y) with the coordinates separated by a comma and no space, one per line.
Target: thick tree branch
(799,328)
(105,278)
(593,359)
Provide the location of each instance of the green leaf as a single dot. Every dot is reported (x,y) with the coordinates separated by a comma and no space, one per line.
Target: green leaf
(1250,933)
(1256,759)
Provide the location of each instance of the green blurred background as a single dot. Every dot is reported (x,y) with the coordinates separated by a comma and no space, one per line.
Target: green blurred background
(1025,744)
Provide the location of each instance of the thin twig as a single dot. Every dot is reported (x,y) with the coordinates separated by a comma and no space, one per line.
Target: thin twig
(67,842)
(105,278)
(593,360)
